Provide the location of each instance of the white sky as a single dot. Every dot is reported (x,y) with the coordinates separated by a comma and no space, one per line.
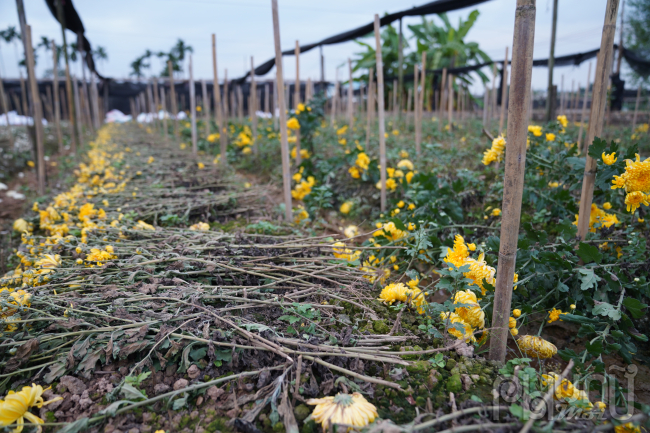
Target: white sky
(244,28)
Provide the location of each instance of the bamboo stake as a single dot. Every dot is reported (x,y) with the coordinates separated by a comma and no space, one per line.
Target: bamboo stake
(23,96)
(416,109)
(369,105)
(275,106)
(562,98)
(584,107)
(240,104)
(77,112)
(441,106)
(571,99)
(486,98)
(94,93)
(220,108)
(64,108)
(296,101)
(493,95)
(151,108)
(450,101)
(172,97)
(156,102)
(598,102)
(284,144)
(636,107)
(400,64)
(206,107)
(47,104)
(5,109)
(57,107)
(163,102)
(252,108)
(350,96)
(195,147)
(395,99)
(423,71)
(335,99)
(504,93)
(37,110)
(380,106)
(266,98)
(227,111)
(515,164)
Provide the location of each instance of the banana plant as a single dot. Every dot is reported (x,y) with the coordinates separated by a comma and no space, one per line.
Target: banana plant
(445,44)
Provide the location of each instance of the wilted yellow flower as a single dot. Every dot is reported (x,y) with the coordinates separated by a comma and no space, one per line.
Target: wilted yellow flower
(536,347)
(466,334)
(200,226)
(351,231)
(403,154)
(347,409)
(473,315)
(340,252)
(20,225)
(300,214)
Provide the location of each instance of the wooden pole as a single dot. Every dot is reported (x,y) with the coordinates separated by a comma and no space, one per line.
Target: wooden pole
(172,97)
(409,103)
(486,98)
(206,107)
(163,102)
(94,93)
(550,101)
(598,102)
(562,99)
(416,109)
(240,103)
(46,102)
(335,101)
(266,98)
(572,99)
(504,93)
(195,147)
(156,102)
(441,105)
(515,165)
(220,108)
(400,63)
(395,100)
(227,110)
(37,109)
(77,112)
(423,71)
(620,40)
(369,105)
(5,109)
(380,105)
(275,105)
(284,144)
(57,106)
(72,117)
(584,106)
(450,101)
(350,97)
(636,107)
(252,108)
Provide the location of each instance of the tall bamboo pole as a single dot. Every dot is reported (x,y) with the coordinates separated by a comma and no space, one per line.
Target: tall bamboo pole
(172,97)
(584,106)
(423,72)
(636,107)
(550,100)
(195,147)
(219,106)
(350,97)
(380,105)
(78,110)
(296,100)
(486,98)
(227,110)
(562,99)
(57,106)
(205,106)
(266,98)
(620,40)
(504,93)
(369,106)
(5,109)
(571,99)
(441,106)
(37,109)
(416,111)
(395,100)
(515,164)
(284,144)
(68,82)
(400,71)
(163,102)
(156,103)
(598,102)
(450,101)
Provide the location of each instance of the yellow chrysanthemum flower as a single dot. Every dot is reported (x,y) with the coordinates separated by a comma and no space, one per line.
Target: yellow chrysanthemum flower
(495,153)
(609,159)
(293,124)
(353,410)
(14,409)
(635,199)
(346,207)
